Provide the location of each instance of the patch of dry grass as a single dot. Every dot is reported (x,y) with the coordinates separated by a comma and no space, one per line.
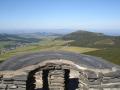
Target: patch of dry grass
(78,49)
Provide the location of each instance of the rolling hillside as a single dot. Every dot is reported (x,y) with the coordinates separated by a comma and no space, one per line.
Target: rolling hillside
(9,40)
(91,39)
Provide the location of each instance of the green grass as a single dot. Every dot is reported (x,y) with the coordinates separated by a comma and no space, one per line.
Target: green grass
(105,42)
(4,43)
(110,54)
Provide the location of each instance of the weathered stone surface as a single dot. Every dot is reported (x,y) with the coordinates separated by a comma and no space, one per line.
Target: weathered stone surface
(58,71)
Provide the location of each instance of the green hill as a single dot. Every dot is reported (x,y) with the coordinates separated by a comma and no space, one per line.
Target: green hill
(108,46)
(92,39)
(9,40)
(15,37)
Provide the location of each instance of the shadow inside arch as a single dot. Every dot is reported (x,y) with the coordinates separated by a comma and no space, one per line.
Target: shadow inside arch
(73,83)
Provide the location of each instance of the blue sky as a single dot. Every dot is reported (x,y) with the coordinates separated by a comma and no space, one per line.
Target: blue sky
(36,15)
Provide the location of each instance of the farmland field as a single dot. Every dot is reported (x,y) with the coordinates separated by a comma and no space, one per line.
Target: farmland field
(4,43)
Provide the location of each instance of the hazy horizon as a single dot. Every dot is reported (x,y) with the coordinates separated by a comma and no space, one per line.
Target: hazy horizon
(61,16)
(58,31)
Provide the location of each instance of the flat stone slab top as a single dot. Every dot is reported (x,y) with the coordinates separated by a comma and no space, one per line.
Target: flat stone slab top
(21,61)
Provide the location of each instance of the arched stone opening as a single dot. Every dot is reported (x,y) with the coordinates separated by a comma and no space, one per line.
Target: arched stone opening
(55,76)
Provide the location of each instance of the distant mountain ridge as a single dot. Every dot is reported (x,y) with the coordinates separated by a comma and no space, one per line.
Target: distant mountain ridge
(39,35)
(92,39)
(47,34)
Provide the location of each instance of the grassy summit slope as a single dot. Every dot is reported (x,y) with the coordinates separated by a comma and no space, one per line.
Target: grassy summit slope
(110,54)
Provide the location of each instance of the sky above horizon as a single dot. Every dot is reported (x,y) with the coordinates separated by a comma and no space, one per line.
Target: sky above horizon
(35,15)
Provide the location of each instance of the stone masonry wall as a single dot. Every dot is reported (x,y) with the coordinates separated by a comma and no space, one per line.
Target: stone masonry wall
(16,83)
(88,79)
(56,80)
(106,81)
